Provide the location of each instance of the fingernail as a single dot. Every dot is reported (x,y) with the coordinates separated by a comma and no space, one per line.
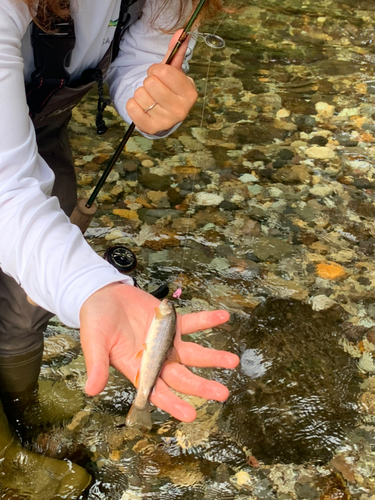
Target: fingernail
(223,315)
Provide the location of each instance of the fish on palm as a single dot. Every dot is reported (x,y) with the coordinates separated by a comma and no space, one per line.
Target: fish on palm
(156,350)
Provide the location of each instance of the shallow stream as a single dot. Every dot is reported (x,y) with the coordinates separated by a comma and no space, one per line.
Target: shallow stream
(261,203)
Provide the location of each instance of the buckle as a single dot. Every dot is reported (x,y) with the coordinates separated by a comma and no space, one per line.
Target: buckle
(52,51)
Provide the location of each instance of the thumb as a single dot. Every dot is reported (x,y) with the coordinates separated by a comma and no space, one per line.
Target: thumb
(179,57)
(97,364)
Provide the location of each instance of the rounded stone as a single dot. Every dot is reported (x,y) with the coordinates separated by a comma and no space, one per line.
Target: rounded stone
(296,384)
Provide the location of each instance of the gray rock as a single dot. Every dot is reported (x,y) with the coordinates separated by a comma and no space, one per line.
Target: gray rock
(269,248)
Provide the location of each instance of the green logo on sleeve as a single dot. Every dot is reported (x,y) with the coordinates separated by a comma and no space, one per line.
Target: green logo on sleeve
(113,23)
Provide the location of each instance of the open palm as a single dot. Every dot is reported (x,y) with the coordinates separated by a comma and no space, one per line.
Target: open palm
(114,325)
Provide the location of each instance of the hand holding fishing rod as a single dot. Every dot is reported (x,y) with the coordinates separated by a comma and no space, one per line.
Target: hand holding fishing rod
(166,96)
(159,85)
(164,100)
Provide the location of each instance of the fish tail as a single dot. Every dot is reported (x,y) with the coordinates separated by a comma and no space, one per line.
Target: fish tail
(140,417)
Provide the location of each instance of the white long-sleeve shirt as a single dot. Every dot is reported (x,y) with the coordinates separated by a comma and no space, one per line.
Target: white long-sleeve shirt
(39,247)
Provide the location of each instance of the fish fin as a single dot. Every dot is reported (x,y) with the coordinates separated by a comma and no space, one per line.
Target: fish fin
(158,313)
(139,417)
(172,356)
(140,352)
(136,379)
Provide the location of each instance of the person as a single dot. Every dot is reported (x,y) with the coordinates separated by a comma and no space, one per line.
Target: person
(43,256)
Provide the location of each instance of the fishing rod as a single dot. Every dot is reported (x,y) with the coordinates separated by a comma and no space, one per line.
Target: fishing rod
(122,258)
(85,208)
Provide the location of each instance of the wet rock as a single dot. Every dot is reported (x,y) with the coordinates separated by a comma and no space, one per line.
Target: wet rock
(162,239)
(371,335)
(320,153)
(248,178)
(158,199)
(304,123)
(324,110)
(243,480)
(330,270)
(256,155)
(366,363)
(59,345)
(334,488)
(251,227)
(164,212)
(253,134)
(228,205)
(155,182)
(352,332)
(285,154)
(184,224)
(321,302)
(269,248)
(309,383)
(291,175)
(79,420)
(344,467)
(318,140)
(306,491)
(264,490)
(367,246)
(346,140)
(208,199)
(278,287)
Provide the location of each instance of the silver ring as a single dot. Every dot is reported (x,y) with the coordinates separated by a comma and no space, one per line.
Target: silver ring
(148,109)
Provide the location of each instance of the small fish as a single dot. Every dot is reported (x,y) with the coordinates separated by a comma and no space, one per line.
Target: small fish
(158,347)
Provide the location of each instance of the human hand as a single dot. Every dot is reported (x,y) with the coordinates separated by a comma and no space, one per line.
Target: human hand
(166,85)
(114,325)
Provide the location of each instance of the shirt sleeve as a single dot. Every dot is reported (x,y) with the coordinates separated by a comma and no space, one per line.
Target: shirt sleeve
(141,46)
(40,248)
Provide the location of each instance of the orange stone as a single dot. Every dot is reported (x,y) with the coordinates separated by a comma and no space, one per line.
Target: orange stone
(330,270)
(126,214)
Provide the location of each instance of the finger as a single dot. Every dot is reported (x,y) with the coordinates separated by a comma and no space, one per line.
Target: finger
(143,99)
(196,355)
(181,379)
(145,121)
(166,400)
(162,78)
(97,364)
(195,322)
(178,59)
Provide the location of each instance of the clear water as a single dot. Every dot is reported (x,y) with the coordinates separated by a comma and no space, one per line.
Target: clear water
(296,399)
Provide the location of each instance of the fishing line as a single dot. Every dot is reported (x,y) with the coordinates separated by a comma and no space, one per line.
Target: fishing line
(177,293)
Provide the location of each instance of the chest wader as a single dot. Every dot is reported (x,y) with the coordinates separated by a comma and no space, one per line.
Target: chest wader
(22,324)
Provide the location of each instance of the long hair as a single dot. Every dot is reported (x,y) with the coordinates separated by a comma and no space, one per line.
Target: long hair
(45,12)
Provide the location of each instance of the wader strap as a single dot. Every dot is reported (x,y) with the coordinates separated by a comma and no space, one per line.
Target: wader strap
(124,20)
(52,54)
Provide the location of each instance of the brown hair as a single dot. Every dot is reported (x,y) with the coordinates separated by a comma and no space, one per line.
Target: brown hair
(45,12)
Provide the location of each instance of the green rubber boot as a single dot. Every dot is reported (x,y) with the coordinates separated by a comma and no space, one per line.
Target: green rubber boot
(32,406)
(35,476)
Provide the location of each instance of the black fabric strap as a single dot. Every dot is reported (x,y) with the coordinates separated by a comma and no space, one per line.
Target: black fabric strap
(52,54)
(123,22)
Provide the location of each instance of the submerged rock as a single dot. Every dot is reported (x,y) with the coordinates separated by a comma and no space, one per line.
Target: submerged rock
(296,392)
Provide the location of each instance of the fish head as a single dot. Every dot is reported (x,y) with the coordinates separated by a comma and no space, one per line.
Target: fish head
(166,307)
